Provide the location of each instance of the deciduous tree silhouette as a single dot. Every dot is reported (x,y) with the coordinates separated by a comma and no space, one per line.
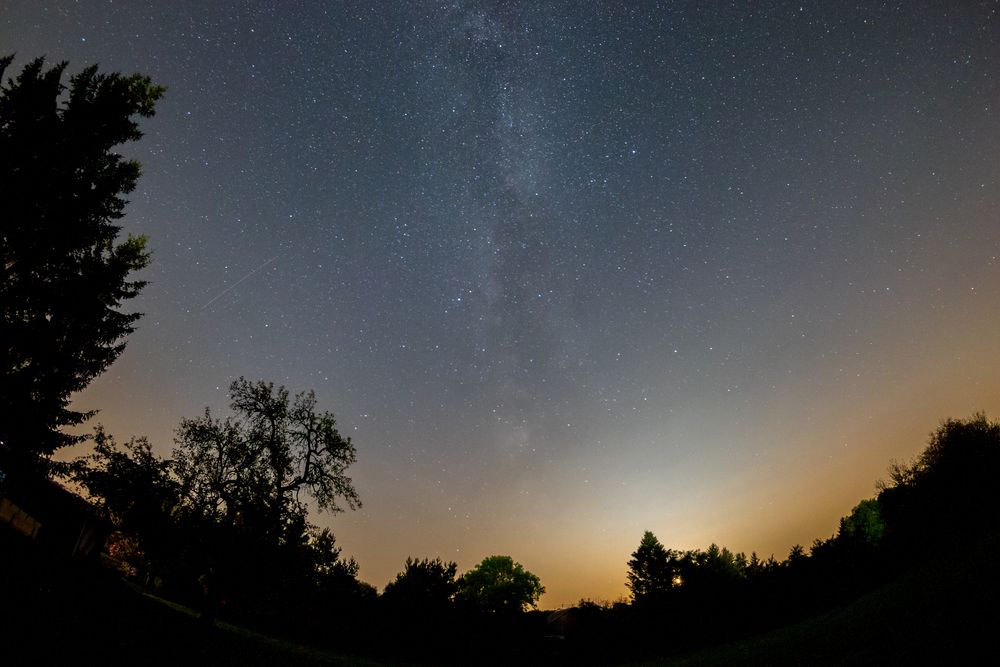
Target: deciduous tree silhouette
(948,491)
(863,527)
(499,585)
(226,516)
(139,495)
(418,607)
(249,472)
(424,586)
(246,479)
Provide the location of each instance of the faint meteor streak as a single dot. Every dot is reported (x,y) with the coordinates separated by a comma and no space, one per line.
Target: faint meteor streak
(234,285)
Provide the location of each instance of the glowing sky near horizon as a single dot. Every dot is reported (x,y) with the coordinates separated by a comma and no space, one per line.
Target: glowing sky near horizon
(565,272)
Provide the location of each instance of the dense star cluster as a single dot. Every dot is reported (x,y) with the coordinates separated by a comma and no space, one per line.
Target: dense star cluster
(564,271)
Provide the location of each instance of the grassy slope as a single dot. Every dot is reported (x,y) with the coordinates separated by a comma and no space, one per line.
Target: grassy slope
(944,612)
(51,614)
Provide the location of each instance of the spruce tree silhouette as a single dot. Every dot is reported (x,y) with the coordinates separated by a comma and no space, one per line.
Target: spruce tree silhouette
(64,273)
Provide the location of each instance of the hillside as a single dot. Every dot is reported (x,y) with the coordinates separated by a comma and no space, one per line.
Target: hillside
(942,612)
(54,612)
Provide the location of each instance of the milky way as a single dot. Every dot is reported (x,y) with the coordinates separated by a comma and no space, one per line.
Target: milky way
(564,271)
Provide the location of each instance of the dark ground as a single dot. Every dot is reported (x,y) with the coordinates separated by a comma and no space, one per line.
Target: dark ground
(944,612)
(54,612)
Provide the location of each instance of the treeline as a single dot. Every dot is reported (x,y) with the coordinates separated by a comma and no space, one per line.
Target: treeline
(211,527)
(222,526)
(940,504)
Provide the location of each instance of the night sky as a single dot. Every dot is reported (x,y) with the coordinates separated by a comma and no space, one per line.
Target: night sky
(565,272)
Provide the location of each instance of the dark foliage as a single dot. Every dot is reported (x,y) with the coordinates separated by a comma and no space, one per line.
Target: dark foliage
(650,571)
(223,523)
(417,610)
(929,510)
(139,495)
(64,274)
(687,599)
(948,492)
(423,587)
(499,585)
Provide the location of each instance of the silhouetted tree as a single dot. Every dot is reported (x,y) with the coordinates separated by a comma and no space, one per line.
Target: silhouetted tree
(249,472)
(956,467)
(423,586)
(225,518)
(649,570)
(418,608)
(864,526)
(245,479)
(499,585)
(138,493)
(64,275)
(722,565)
(959,451)
(948,492)
(334,580)
(796,556)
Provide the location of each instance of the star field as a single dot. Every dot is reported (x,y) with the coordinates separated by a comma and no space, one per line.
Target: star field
(564,271)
